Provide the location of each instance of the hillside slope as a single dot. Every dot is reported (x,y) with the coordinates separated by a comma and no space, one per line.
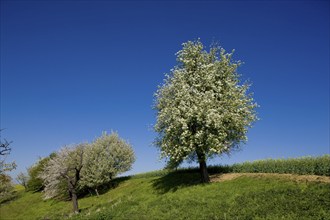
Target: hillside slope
(180,196)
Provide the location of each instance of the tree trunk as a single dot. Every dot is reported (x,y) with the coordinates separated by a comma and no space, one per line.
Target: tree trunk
(74,197)
(97,192)
(203,168)
(75,202)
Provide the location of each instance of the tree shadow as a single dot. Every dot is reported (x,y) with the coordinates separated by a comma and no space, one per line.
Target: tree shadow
(87,192)
(115,183)
(175,180)
(112,184)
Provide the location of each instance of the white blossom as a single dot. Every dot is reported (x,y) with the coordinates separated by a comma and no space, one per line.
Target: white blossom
(202,105)
(105,158)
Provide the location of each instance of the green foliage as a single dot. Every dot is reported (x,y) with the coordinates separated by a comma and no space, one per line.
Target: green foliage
(305,165)
(35,183)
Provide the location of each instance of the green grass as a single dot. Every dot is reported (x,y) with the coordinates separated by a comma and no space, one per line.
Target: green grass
(179,195)
(28,205)
(304,165)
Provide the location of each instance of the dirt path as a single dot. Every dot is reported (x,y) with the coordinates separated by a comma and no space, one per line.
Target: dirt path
(299,178)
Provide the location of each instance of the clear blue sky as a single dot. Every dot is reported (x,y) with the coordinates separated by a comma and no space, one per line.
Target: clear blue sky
(72,69)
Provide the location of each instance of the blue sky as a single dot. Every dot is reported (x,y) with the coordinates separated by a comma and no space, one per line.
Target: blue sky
(72,69)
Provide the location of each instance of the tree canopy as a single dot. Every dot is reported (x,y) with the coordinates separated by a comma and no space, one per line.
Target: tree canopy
(106,157)
(203,109)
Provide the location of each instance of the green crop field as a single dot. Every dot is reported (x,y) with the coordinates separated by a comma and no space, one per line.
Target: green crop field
(179,195)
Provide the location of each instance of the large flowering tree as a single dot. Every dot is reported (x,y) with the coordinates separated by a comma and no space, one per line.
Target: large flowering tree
(202,107)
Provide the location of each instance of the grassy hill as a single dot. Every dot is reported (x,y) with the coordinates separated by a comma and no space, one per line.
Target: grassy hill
(179,195)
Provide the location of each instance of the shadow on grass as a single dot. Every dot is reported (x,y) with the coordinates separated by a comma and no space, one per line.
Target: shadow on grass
(185,177)
(88,192)
(102,190)
(112,184)
(175,180)
(117,181)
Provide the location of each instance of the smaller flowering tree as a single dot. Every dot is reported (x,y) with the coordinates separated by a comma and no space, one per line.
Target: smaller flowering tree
(105,158)
(65,166)
(203,109)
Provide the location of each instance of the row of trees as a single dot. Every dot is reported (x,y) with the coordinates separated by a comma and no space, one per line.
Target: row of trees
(77,168)
(86,165)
